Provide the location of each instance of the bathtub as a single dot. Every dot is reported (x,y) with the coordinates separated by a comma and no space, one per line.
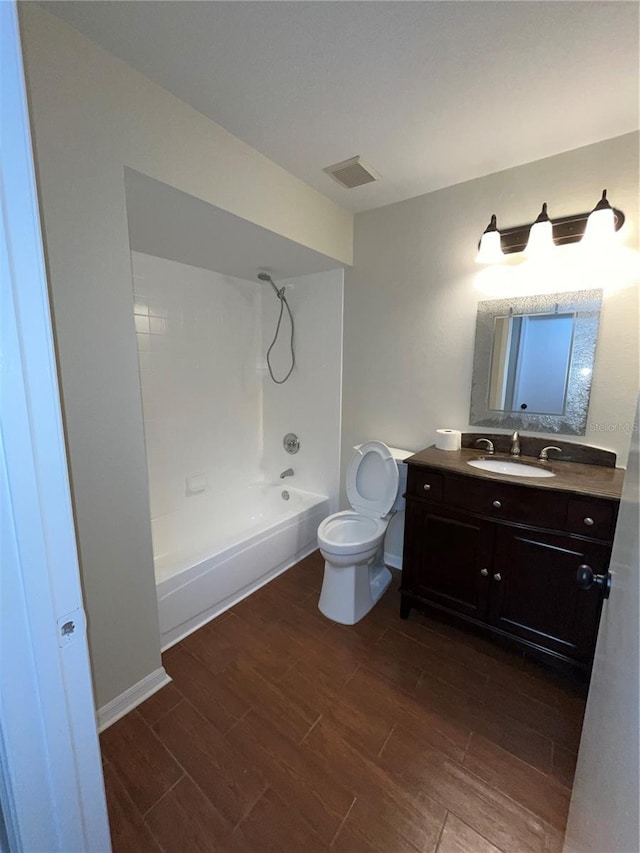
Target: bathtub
(220,548)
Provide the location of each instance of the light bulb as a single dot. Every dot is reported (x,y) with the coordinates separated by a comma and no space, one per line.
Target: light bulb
(601,225)
(540,243)
(490,250)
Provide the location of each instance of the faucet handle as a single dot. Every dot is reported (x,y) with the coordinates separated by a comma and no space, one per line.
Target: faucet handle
(489,444)
(544,453)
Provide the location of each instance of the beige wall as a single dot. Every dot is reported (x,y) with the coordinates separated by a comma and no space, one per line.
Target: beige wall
(92,115)
(410,300)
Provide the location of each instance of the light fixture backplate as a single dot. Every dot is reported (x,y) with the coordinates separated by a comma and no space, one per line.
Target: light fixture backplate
(566,229)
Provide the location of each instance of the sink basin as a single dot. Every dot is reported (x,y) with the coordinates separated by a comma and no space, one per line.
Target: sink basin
(512,469)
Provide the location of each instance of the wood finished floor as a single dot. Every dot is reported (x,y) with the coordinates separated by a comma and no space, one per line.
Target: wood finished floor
(282,731)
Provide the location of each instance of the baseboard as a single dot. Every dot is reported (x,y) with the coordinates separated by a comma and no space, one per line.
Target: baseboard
(393,561)
(131,698)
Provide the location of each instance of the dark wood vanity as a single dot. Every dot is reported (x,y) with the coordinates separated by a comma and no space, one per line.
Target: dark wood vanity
(502,553)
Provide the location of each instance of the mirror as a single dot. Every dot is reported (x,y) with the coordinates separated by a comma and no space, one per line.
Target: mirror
(533,362)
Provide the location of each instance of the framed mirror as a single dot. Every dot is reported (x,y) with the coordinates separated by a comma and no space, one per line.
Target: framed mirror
(533,362)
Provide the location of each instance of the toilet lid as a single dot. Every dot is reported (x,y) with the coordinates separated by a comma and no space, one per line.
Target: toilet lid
(372,479)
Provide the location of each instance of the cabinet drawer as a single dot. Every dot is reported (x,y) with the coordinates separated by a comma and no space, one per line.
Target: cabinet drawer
(503,501)
(423,483)
(592,517)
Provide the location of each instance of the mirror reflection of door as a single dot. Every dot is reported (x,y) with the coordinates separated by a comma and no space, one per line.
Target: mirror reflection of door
(535,351)
(530,363)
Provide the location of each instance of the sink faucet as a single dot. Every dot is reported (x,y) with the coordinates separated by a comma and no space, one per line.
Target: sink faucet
(544,453)
(515,444)
(287,473)
(489,444)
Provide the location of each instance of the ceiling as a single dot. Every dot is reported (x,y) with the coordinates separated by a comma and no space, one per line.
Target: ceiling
(428,93)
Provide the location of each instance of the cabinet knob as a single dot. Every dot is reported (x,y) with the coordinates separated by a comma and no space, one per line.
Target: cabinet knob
(588,521)
(484,572)
(427,488)
(497,576)
(497,504)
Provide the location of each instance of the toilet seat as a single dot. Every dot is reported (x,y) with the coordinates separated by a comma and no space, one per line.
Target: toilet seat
(347,532)
(372,486)
(372,479)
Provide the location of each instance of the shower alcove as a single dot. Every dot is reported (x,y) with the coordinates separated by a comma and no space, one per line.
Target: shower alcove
(214,420)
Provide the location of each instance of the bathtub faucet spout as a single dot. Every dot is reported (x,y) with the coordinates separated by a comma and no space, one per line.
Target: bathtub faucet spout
(287,473)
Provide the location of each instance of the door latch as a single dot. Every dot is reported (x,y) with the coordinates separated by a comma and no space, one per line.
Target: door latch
(586,579)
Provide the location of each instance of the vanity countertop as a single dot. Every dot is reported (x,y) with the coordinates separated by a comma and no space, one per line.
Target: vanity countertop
(576,477)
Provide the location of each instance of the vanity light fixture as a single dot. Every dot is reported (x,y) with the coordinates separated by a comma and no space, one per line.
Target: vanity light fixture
(540,243)
(596,231)
(489,250)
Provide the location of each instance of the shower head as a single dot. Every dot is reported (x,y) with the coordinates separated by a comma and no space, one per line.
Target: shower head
(264,276)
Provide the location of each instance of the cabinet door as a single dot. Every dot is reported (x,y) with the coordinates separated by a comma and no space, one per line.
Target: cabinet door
(534,593)
(447,558)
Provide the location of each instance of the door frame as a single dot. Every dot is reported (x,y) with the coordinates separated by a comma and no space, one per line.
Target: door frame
(51,786)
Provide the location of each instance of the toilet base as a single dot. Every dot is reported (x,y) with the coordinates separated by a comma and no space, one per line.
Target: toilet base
(349,592)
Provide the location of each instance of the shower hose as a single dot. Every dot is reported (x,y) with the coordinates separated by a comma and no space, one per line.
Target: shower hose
(283,304)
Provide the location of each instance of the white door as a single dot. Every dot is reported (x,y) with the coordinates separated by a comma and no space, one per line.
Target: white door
(51,787)
(603,817)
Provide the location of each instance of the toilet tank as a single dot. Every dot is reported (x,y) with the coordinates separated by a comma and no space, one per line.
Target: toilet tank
(394,536)
(400,456)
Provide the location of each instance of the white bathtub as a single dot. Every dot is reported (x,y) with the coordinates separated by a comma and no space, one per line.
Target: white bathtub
(220,548)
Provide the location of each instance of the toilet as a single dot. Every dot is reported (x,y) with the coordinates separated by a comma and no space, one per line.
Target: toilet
(351,542)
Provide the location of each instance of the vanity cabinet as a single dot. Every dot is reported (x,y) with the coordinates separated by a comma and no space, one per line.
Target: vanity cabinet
(534,594)
(444,558)
(505,556)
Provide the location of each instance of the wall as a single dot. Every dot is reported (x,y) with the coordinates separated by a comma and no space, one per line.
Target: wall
(308,404)
(199,341)
(410,300)
(92,116)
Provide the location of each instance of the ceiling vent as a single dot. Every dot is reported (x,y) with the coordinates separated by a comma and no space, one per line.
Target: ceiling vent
(351,173)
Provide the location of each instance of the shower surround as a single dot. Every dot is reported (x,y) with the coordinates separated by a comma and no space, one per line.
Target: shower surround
(214,423)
